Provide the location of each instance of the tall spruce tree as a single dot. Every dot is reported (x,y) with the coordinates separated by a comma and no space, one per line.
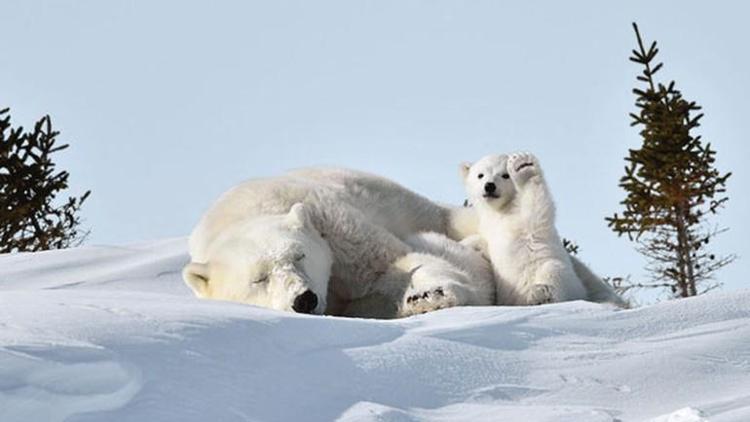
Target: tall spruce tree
(31,218)
(671,187)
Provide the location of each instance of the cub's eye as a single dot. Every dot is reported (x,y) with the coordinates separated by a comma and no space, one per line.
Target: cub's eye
(506,176)
(260,280)
(481,175)
(299,257)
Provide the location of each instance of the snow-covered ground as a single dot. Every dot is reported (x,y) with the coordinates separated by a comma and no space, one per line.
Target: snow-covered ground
(111,334)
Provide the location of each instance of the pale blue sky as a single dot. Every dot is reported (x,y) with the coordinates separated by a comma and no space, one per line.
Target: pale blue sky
(167,104)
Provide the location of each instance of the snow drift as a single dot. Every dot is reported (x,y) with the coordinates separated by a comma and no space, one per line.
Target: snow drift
(112,334)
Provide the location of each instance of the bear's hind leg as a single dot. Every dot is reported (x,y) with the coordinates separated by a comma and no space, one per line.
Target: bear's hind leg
(555,282)
(546,286)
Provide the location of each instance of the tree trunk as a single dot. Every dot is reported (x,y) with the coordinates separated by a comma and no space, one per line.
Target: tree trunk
(686,283)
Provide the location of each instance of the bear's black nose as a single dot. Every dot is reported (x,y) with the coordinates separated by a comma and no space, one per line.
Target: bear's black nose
(305,303)
(490,187)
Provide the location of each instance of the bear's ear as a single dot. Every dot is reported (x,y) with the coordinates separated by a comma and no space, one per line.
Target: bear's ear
(464,168)
(297,216)
(196,277)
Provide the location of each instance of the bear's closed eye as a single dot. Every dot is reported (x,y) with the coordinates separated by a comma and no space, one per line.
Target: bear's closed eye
(260,280)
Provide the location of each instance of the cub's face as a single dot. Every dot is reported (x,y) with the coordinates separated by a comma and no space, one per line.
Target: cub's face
(488,183)
(278,262)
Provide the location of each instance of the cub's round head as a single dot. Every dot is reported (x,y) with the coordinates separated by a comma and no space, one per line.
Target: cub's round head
(275,261)
(488,183)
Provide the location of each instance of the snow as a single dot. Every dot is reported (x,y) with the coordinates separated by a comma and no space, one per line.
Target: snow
(686,414)
(111,334)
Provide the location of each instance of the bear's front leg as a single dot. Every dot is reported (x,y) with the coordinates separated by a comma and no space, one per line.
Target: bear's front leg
(421,298)
(536,204)
(435,284)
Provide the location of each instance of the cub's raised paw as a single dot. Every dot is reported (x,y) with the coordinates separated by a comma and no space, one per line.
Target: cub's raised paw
(542,294)
(421,301)
(522,166)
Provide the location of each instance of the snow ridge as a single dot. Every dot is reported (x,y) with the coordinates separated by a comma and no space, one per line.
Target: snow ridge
(111,334)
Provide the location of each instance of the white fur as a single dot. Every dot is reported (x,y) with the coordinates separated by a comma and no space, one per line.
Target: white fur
(596,289)
(517,221)
(264,260)
(420,282)
(337,233)
(464,275)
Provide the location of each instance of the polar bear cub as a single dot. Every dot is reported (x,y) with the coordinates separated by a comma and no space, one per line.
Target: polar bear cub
(517,221)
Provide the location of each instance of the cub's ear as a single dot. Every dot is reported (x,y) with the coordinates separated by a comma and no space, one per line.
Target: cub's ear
(196,277)
(297,216)
(464,168)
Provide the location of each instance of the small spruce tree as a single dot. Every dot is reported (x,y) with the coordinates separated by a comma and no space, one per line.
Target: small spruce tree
(30,217)
(671,187)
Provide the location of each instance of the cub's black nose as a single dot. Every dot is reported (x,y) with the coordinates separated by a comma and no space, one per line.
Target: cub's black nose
(490,187)
(305,303)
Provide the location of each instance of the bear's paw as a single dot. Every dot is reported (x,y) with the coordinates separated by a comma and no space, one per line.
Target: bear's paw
(419,301)
(522,166)
(542,294)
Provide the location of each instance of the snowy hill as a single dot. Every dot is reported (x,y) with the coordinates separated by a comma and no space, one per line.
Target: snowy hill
(111,334)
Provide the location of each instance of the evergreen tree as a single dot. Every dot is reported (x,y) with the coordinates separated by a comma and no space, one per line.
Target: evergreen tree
(671,187)
(30,218)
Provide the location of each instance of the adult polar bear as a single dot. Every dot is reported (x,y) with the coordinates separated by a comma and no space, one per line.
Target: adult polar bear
(334,241)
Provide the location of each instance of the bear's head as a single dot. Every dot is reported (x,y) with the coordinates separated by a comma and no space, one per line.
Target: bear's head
(488,183)
(275,261)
